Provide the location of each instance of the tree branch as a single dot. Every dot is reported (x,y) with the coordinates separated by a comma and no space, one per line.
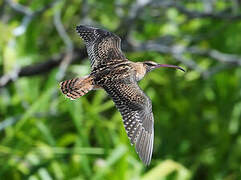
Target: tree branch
(175,50)
(178,52)
(28,14)
(68,43)
(40,68)
(225,14)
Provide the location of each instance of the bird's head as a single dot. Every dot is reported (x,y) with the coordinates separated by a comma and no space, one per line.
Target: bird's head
(150,65)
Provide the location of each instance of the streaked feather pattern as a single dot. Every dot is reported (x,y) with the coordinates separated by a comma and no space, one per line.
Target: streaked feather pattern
(103,47)
(77,87)
(118,76)
(136,110)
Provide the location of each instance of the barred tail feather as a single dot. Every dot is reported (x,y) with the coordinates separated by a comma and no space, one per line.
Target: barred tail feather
(77,87)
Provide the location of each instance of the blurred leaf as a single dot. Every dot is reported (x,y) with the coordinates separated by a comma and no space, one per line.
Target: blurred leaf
(165,168)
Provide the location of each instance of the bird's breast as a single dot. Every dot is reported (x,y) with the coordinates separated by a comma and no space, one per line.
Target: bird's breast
(140,71)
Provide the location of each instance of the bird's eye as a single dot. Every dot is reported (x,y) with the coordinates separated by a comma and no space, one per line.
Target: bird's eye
(150,64)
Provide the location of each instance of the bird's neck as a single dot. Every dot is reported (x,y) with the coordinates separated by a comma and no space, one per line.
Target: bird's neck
(140,70)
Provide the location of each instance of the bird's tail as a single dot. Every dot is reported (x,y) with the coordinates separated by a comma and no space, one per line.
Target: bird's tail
(77,87)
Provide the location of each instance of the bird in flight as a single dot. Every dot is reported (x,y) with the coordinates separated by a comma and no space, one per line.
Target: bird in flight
(113,72)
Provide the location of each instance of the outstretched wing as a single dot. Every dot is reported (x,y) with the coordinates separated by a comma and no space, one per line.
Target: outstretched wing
(103,47)
(136,110)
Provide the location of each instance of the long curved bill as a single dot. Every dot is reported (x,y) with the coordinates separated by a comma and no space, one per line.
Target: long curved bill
(169,66)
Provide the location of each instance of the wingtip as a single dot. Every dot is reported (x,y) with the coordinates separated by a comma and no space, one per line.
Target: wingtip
(79,27)
(83,27)
(147,163)
(144,147)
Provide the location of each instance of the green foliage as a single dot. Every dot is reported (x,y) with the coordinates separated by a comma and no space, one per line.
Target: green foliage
(43,135)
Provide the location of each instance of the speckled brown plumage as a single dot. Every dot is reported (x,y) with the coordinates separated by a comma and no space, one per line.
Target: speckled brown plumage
(118,77)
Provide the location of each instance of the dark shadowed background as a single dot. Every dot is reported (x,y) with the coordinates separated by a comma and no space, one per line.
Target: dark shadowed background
(44,136)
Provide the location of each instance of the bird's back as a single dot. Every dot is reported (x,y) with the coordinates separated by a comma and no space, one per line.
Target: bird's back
(109,74)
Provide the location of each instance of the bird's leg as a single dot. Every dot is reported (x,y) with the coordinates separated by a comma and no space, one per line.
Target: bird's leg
(77,87)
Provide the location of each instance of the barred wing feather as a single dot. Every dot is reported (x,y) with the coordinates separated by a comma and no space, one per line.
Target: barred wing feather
(136,110)
(102,46)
